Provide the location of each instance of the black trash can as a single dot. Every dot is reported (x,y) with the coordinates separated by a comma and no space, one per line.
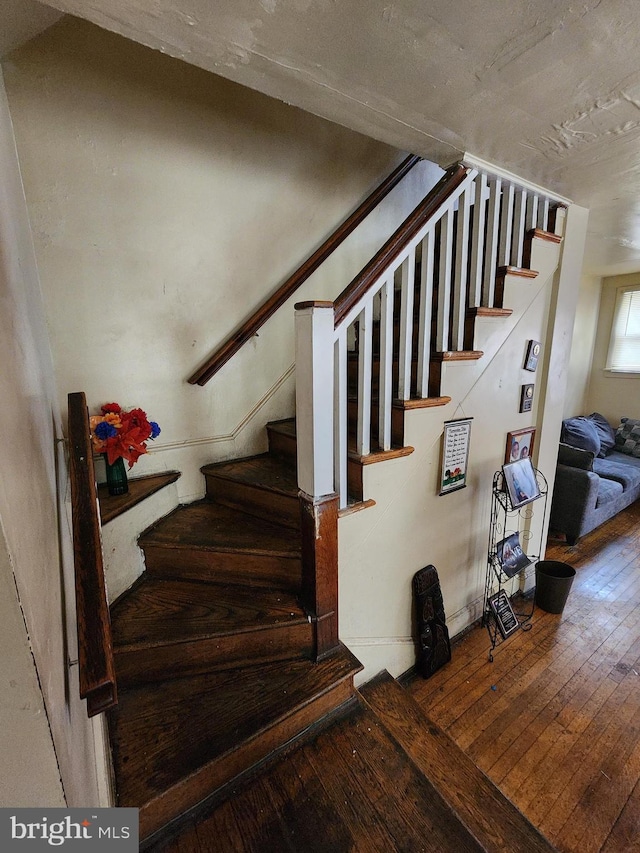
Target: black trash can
(553,582)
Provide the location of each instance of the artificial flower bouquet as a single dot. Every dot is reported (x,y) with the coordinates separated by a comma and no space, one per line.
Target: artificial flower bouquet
(120,434)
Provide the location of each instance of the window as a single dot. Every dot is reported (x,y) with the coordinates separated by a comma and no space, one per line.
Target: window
(624,345)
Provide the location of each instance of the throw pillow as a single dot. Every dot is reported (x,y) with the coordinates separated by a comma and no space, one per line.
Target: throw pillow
(605,431)
(575,458)
(581,432)
(628,437)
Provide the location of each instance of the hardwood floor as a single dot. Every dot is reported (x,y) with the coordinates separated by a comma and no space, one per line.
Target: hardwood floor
(554,721)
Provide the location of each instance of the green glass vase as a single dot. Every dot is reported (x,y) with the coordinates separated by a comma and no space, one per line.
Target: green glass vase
(117,482)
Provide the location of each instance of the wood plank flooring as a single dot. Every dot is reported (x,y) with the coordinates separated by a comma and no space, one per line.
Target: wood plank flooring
(554,721)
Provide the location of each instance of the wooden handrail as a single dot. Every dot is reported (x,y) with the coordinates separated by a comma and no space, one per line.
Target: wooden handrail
(354,291)
(95,650)
(248,329)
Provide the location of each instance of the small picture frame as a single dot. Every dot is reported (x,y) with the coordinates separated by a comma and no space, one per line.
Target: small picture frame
(520,480)
(455,455)
(526,398)
(510,556)
(533,353)
(503,613)
(519,444)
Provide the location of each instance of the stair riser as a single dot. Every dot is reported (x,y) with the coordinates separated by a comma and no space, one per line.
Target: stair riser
(253,500)
(224,567)
(190,791)
(280,643)
(282,446)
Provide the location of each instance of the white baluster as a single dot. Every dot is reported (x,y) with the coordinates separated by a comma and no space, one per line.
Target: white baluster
(444,282)
(517,238)
(491,245)
(532,211)
(460,275)
(406,325)
(506,225)
(543,215)
(314,397)
(477,247)
(424,329)
(365,357)
(386,364)
(341,422)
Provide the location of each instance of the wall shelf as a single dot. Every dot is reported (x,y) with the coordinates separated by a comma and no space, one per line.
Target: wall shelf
(111,506)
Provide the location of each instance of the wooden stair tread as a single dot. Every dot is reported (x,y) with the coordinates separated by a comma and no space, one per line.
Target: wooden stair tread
(287,427)
(366,793)
(220,711)
(210,526)
(490,816)
(522,272)
(262,471)
(380,455)
(457,355)
(352,788)
(158,611)
(111,506)
(549,236)
(483,311)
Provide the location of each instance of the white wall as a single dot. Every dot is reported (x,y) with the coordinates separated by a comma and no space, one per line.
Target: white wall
(411,526)
(584,336)
(614,395)
(167,203)
(37,563)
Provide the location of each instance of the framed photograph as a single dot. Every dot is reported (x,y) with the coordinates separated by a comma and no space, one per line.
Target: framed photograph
(455,455)
(533,353)
(519,444)
(526,398)
(503,613)
(510,555)
(521,483)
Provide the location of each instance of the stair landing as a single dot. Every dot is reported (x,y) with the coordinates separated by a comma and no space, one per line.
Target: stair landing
(365,784)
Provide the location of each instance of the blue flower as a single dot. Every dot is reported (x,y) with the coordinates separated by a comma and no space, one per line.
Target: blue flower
(105,430)
(155,429)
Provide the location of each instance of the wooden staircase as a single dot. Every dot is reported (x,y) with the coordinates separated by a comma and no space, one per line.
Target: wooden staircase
(382,777)
(226,650)
(214,654)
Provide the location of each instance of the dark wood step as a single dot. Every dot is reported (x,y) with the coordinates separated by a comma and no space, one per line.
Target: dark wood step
(208,541)
(168,628)
(176,742)
(490,817)
(260,485)
(351,788)
(140,488)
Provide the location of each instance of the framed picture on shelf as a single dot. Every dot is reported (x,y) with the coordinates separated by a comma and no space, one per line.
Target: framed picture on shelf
(526,398)
(521,483)
(510,555)
(533,353)
(503,613)
(455,455)
(519,444)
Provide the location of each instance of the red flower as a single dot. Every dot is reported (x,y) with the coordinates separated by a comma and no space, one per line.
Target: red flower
(133,430)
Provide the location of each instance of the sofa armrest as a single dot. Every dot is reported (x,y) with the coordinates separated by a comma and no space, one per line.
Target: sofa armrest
(574,498)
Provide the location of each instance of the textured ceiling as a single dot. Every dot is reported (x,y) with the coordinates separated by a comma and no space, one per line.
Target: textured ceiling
(549,89)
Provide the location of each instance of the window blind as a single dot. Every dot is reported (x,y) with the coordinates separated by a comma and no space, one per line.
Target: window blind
(624,345)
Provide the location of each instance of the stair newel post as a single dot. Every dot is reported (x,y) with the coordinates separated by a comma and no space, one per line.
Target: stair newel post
(315,441)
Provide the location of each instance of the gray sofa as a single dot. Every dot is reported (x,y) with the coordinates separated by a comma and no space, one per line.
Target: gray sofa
(598,474)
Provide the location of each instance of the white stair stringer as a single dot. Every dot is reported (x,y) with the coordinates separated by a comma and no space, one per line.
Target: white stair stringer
(410,525)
